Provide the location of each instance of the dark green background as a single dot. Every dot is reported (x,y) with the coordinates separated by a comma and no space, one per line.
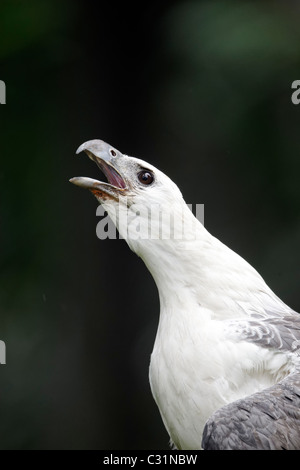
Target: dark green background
(200,89)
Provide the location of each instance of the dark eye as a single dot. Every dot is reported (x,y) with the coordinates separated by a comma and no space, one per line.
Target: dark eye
(146,177)
(113,153)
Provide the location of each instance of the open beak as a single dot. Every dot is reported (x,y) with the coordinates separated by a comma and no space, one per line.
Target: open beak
(106,157)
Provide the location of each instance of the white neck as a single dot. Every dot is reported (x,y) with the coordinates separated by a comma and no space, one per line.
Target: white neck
(199,269)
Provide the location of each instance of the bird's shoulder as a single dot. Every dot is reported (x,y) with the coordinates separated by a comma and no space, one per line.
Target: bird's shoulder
(273,326)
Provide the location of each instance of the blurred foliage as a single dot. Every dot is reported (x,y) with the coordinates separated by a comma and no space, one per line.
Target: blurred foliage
(24,24)
(200,89)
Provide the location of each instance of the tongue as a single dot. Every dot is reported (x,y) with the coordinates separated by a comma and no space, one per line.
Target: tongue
(113,177)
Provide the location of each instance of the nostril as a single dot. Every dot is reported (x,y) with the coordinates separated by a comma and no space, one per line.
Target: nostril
(113,153)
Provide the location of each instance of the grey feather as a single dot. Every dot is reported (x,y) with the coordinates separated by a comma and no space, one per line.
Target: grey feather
(280,333)
(267,420)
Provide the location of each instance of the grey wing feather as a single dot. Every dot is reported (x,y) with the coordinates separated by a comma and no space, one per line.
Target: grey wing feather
(281,333)
(266,420)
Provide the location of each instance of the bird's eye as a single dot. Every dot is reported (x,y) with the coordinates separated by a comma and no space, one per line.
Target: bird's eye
(113,153)
(146,177)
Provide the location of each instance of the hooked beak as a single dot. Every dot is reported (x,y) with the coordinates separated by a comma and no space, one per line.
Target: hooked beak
(106,157)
